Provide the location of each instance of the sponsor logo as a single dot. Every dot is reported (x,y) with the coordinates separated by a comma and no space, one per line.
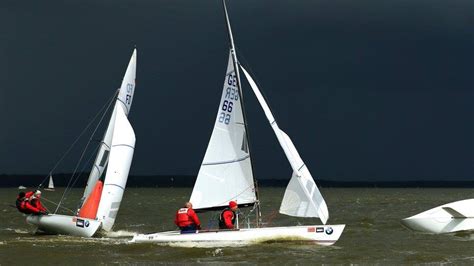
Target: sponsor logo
(80,223)
(311,229)
(319,229)
(329,230)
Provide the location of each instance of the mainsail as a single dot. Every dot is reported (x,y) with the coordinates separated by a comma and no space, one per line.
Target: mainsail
(124,100)
(302,196)
(226,170)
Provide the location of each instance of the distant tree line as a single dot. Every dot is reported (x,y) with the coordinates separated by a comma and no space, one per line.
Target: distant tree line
(62,179)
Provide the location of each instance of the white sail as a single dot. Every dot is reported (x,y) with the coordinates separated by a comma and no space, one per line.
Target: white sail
(124,99)
(302,196)
(121,154)
(51,183)
(226,171)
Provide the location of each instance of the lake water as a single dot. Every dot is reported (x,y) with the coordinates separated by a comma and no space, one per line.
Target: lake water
(372,216)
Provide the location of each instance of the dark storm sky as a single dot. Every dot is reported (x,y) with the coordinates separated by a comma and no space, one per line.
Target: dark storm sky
(367,90)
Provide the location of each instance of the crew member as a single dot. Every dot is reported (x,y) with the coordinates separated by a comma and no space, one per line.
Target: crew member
(35,200)
(228,216)
(186,219)
(24,206)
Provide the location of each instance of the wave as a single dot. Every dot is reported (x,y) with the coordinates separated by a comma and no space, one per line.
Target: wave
(16,230)
(120,233)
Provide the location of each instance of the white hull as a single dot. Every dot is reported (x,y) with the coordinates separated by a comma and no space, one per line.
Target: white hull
(325,235)
(64,225)
(449,218)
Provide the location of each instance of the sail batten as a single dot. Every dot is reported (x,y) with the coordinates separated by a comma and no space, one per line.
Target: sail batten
(302,197)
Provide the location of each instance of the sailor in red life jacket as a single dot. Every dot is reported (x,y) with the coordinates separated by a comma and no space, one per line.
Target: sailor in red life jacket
(228,216)
(24,206)
(186,219)
(35,200)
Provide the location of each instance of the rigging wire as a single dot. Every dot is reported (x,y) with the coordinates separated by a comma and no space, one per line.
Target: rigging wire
(68,188)
(50,201)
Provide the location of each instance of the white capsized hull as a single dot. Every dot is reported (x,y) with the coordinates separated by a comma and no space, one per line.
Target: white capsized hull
(449,218)
(64,225)
(318,234)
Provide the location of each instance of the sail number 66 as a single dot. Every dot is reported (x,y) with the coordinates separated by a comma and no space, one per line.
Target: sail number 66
(226,107)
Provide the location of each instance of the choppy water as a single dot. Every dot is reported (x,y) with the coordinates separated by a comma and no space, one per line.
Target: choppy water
(373,233)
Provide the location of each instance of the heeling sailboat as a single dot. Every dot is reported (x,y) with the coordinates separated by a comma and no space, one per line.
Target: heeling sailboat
(226,174)
(106,184)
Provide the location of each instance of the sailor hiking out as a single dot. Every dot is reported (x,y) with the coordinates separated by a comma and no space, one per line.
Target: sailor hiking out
(29,203)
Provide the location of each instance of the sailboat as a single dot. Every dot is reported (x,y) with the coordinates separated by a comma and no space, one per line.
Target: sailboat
(107,180)
(453,217)
(50,184)
(226,174)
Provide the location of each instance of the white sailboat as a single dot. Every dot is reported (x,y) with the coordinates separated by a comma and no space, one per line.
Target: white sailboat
(50,184)
(453,217)
(226,174)
(107,180)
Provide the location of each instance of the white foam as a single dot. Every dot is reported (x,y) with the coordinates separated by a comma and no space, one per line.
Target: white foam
(120,233)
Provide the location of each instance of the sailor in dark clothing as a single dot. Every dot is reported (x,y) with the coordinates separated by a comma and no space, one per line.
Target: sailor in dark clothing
(228,216)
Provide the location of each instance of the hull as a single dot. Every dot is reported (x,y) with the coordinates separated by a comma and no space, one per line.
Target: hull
(449,218)
(64,225)
(325,235)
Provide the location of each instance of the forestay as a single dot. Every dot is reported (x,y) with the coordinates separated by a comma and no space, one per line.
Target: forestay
(226,172)
(121,154)
(124,100)
(302,196)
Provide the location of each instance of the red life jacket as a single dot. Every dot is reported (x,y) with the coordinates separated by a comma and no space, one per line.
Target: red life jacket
(29,194)
(222,220)
(182,218)
(25,207)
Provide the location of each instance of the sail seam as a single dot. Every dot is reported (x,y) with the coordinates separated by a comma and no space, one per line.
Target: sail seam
(114,185)
(124,104)
(226,162)
(301,167)
(126,145)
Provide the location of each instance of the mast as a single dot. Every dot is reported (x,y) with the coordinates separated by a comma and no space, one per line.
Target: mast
(239,86)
